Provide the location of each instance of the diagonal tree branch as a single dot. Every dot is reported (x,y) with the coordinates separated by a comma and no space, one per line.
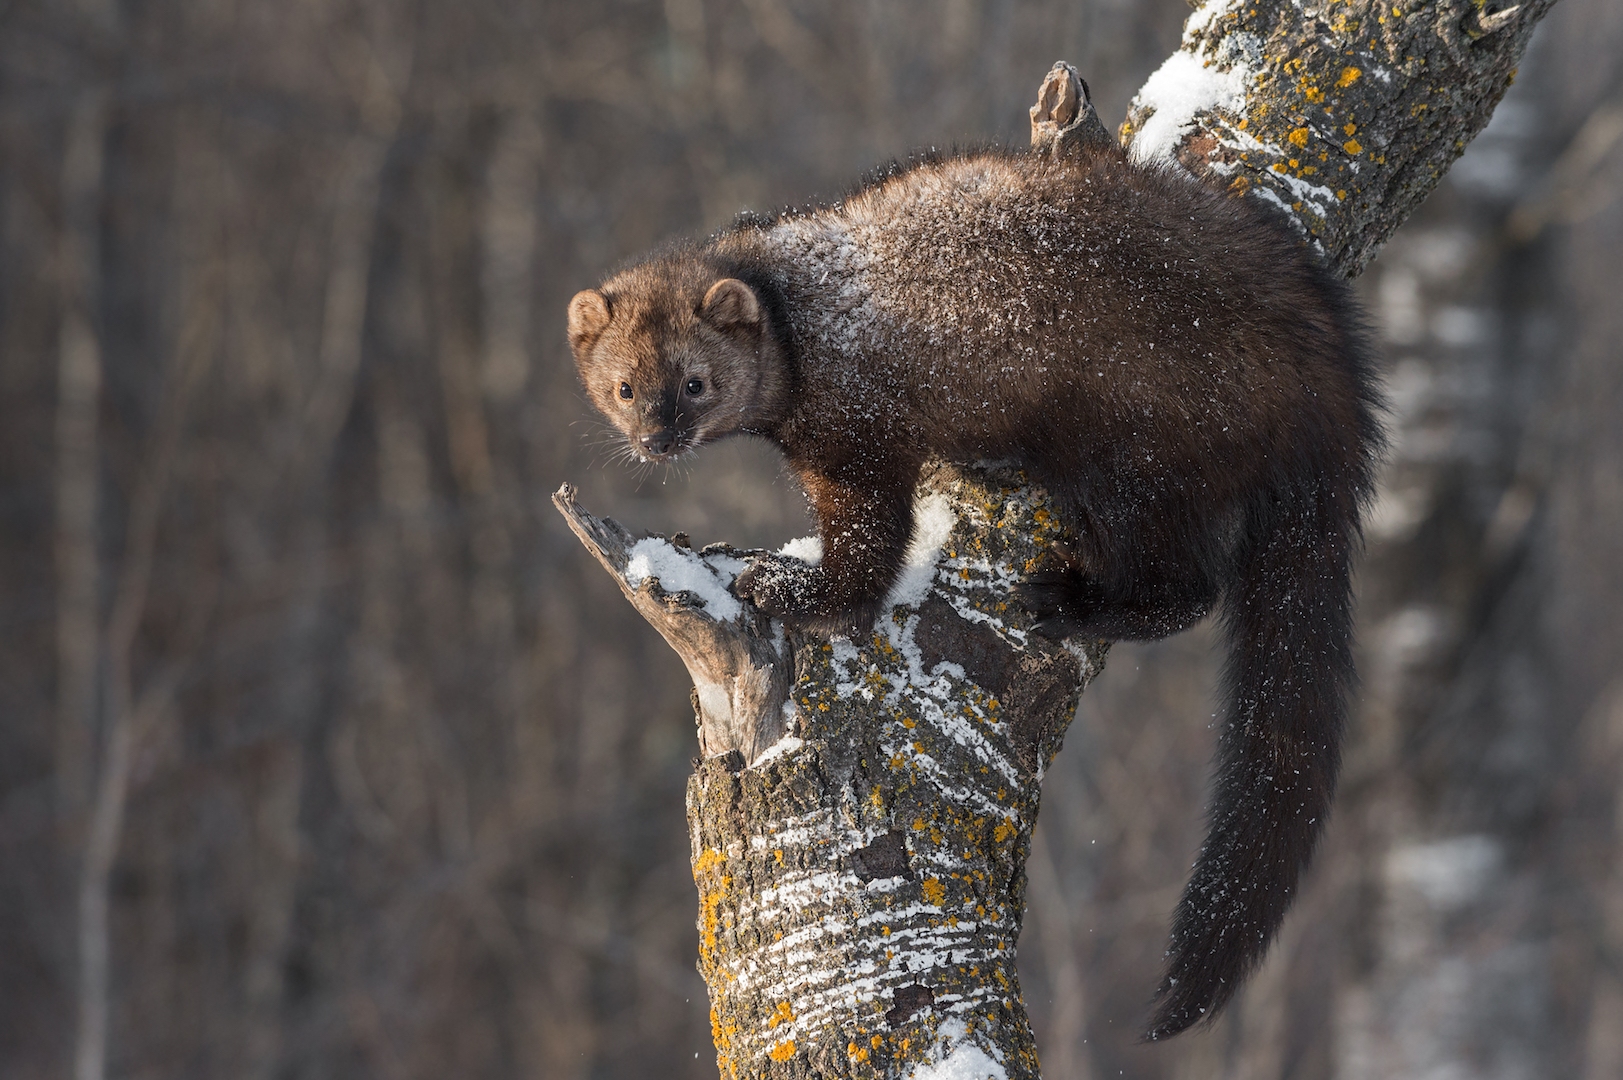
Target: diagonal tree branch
(1342,114)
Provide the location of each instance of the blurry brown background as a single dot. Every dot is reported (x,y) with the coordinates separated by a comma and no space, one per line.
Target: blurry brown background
(373,770)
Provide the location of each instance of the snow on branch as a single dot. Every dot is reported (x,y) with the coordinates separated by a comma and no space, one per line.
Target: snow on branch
(1343,114)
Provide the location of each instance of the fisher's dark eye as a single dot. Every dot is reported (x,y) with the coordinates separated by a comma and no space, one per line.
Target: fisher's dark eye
(625,391)
(695,387)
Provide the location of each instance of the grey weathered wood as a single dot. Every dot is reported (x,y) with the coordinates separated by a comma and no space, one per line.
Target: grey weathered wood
(740,669)
(1064,120)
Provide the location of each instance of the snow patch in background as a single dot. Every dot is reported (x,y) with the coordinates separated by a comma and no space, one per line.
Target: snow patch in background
(1462,327)
(682,570)
(933,519)
(1448,873)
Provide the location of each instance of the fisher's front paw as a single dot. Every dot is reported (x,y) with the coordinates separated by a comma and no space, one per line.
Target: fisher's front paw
(783,587)
(798,594)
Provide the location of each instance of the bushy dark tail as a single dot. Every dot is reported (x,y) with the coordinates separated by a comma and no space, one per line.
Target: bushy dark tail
(1287,619)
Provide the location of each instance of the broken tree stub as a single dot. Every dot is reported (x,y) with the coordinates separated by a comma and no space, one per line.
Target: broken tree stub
(863,813)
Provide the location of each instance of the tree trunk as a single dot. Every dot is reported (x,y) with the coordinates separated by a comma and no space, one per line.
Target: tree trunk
(862,817)
(863,811)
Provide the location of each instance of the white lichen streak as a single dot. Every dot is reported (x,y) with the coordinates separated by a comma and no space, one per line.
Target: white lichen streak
(790,968)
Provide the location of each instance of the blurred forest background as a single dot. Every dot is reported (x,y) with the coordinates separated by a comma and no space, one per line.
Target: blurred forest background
(325,751)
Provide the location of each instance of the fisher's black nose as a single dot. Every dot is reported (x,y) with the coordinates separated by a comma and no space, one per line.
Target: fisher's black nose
(657,443)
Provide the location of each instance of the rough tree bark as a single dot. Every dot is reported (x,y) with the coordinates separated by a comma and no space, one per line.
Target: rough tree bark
(863,810)
(863,813)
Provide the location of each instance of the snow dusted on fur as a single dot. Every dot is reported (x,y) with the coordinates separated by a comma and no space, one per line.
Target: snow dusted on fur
(883,274)
(683,570)
(838,264)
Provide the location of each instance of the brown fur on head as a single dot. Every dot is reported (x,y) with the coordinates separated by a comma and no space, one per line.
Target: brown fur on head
(676,355)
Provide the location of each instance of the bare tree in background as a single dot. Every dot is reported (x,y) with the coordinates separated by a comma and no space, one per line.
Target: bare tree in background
(376,828)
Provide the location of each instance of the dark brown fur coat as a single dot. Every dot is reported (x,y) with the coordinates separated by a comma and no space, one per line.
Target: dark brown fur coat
(1170,363)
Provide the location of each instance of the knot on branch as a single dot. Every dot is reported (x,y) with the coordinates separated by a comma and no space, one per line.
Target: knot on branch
(1064,121)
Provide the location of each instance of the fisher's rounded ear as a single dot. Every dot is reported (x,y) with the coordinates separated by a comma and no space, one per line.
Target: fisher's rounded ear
(588,317)
(731,305)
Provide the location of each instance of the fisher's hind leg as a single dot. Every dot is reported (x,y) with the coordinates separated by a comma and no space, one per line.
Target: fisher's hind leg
(1067,599)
